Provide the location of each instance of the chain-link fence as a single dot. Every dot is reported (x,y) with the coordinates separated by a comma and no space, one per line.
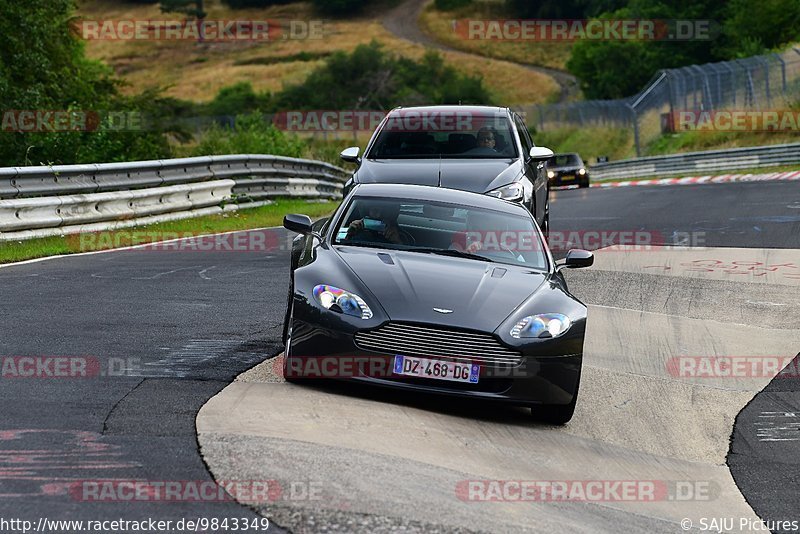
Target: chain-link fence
(767,82)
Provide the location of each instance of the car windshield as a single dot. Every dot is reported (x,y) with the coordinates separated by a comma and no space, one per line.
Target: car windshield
(565,160)
(445,134)
(440,228)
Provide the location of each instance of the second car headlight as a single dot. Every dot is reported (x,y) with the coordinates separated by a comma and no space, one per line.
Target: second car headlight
(551,174)
(508,192)
(582,172)
(542,326)
(338,300)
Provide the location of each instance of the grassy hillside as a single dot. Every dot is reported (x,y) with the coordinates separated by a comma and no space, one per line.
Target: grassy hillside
(439,25)
(197,72)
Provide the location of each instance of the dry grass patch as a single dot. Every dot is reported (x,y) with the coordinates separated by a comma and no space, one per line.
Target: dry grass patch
(439,25)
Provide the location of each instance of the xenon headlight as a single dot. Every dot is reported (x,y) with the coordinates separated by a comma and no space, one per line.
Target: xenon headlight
(508,192)
(341,301)
(582,171)
(542,326)
(551,174)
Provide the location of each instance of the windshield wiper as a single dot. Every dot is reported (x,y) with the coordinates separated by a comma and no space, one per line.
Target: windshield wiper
(452,252)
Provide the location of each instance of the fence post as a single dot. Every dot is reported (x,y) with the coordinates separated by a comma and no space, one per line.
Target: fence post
(635,130)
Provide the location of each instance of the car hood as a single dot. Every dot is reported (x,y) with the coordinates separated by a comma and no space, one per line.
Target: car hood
(570,168)
(410,285)
(475,175)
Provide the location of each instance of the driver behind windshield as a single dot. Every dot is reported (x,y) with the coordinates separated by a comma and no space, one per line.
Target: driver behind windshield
(378,226)
(487,138)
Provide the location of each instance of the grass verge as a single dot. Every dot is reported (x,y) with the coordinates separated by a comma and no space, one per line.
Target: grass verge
(244,219)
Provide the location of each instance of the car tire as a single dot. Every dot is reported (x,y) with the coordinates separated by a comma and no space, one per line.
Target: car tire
(287,351)
(584,183)
(555,414)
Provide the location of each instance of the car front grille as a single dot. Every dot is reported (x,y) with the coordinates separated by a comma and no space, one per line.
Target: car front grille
(436,342)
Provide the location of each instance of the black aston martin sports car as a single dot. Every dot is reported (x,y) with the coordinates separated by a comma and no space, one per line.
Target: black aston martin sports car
(435,289)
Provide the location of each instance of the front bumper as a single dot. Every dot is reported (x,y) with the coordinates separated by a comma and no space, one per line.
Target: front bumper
(537,379)
(568,178)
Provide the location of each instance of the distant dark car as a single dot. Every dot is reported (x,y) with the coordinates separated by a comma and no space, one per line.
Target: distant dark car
(567,169)
(472,148)
(435,290)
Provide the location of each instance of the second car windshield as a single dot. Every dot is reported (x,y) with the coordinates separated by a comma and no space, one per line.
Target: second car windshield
(435,227)
(442,134)
(564,160)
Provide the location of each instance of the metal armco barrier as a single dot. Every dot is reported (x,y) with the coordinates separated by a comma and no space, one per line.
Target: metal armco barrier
(699,162)
(60,199)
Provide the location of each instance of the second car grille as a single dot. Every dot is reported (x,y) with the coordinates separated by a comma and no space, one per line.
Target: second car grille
(413,340)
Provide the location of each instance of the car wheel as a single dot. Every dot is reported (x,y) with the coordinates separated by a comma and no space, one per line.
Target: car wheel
(584,183)
(555,414)
(289,300)
(287,351)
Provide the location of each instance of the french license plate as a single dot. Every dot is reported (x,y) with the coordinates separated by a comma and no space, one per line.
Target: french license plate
(436,369)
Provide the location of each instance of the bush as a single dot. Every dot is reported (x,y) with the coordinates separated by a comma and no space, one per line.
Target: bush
(449,5)
(369,78)
(241,4)
(339,7)
(238,99)
(253,134)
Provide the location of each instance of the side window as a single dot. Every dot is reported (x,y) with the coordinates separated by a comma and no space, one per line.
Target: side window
(527,144)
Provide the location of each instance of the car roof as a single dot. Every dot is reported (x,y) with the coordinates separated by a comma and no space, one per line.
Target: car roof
(436,194)
(453,109)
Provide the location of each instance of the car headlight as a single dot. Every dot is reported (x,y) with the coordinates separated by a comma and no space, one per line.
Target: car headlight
(338,300)
(551,174)
(582,172)
(542,326)
(508,192)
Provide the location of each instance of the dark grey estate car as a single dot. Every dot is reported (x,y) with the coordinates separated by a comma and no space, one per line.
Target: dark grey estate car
(567,169)
(480,149)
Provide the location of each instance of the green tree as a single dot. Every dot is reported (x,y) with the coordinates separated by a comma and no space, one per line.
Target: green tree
(754,29)
(44,68)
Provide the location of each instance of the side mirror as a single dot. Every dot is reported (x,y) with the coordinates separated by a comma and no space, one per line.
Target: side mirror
(540,153)
(576,258)
(298,223)
(350,155)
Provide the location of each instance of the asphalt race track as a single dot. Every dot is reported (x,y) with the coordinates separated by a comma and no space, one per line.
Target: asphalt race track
(165,331)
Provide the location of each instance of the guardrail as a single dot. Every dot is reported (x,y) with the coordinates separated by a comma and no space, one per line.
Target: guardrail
(699,162)
(64,199)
